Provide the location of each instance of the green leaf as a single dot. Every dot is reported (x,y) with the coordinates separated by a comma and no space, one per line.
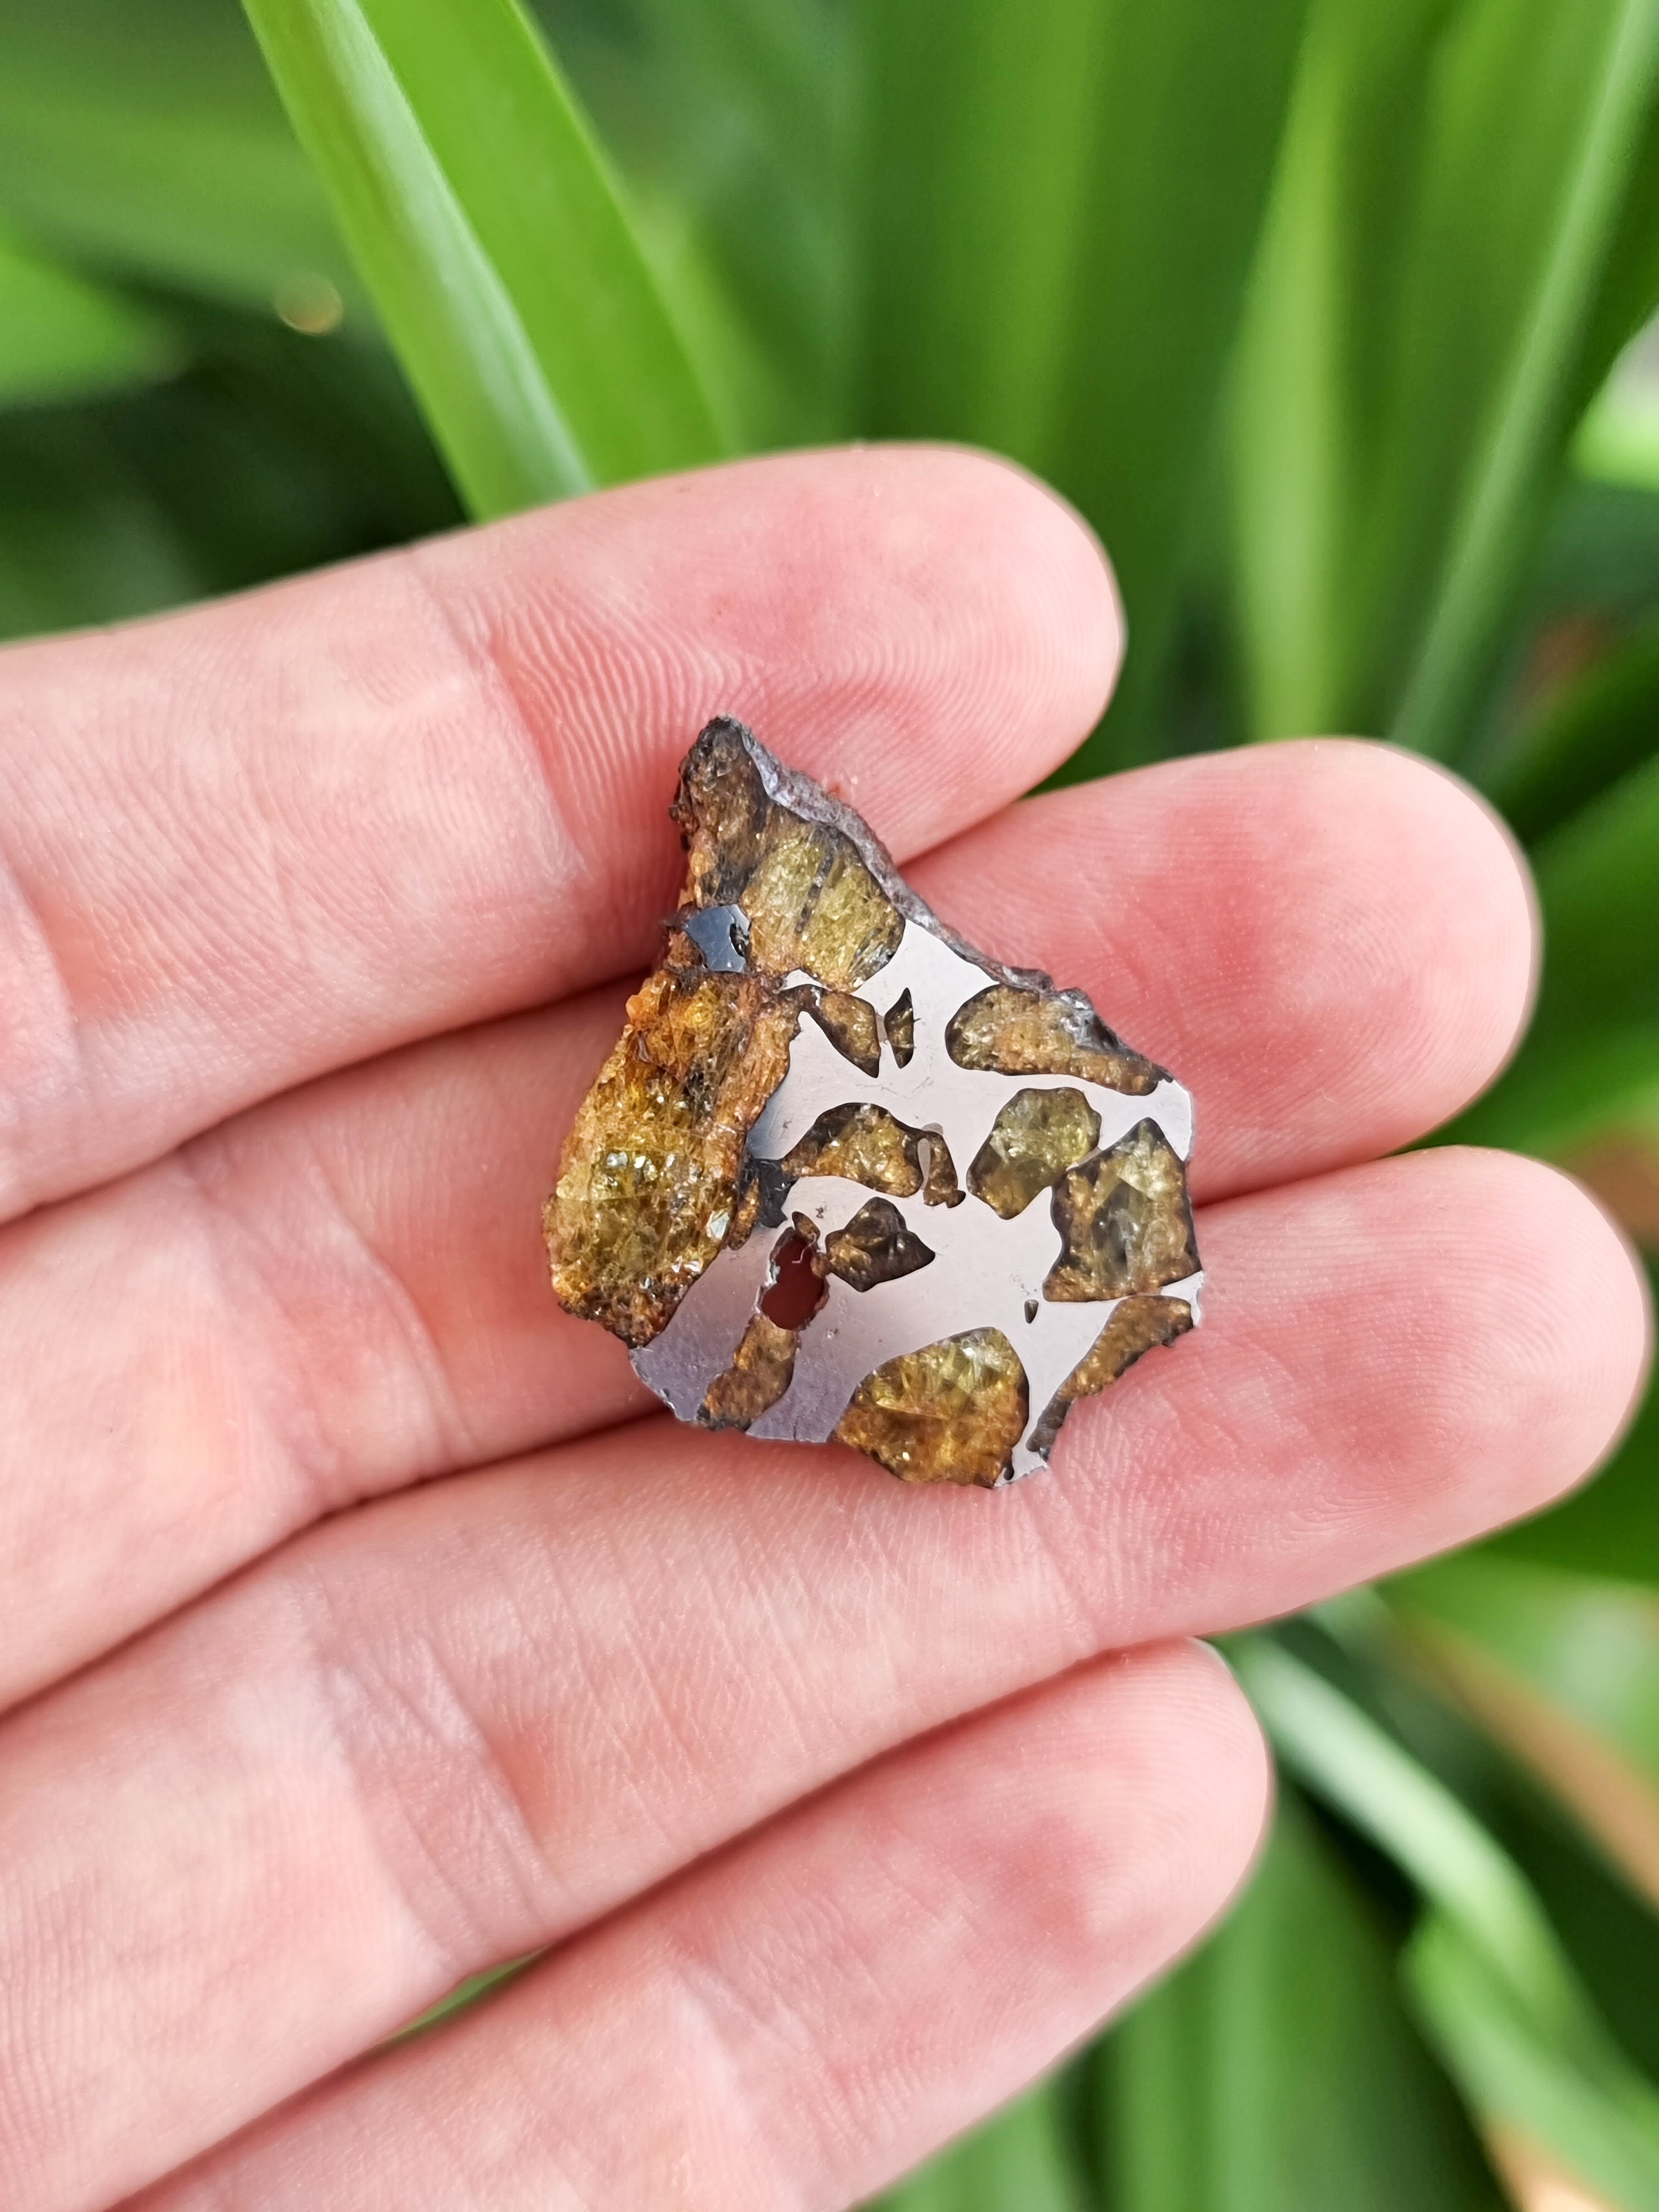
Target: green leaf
(730,121)
(1599,560)
(976,149)
(465,1996)
(1453,183)
(1593,1049)
(1062,202)
(1494,1987)
(1618,441)
(486,225)
(268,453)
(84,538)
(1629,291)
(1344,1756)
(1589,112)
(1603,2128)
(65,337)
(1585,736)
(1564,1670)
(1019,2160)
(1586,1649)
(1611,1527)
(1278,2071)
(148,141)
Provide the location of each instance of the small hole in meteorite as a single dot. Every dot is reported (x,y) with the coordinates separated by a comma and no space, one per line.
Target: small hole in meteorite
(797,1290)
(1030,1309)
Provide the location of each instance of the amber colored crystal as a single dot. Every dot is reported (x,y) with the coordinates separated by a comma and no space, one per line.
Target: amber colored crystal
(951,1412)
(851,1024)
(1124,1221)
(874,1247)
(868,1144)
(900,1025)
(649,1180)
(1018,1030)
(1034,1139)
(811,900)
(760,1373)
(1137,1325)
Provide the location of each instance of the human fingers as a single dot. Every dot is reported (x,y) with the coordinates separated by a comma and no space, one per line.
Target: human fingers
(269,836)
(1331,943)
(800,2021)
(458,1724)
(345,1289)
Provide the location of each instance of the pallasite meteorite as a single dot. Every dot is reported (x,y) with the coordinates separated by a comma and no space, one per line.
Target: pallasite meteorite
(844,1177)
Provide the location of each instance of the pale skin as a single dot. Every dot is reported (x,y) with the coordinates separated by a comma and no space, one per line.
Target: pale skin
(361,1624)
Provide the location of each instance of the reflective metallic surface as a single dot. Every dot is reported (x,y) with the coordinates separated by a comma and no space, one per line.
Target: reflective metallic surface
(987,1272)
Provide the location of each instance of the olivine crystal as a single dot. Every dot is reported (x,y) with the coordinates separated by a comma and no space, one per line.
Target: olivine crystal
(760,1194)
(1124,1221)
(1034,1139)
(951,1412)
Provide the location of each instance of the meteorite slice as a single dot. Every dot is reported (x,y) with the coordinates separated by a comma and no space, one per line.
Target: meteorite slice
(814,1035)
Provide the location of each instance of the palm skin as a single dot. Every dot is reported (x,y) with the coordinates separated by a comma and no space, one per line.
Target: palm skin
(362,1623)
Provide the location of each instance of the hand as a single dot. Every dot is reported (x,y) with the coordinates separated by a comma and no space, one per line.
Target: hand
(362,1623)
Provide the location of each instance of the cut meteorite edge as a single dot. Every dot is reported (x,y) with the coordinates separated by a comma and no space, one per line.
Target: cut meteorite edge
(982,1189)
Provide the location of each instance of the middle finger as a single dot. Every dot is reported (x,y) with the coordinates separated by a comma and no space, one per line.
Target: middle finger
(345,1290)
(456,1725)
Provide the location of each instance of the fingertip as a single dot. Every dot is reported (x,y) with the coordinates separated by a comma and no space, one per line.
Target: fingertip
(1151,1786)
(1331,942)
(1488,922)
(1444,916)
(1018,631)
(1558,1364)
(1075,628)
(1224,1783)
(1607,1307)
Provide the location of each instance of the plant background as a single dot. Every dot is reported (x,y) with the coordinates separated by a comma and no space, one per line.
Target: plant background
(1330,316)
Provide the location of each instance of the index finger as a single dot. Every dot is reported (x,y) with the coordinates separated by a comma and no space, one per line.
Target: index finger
(246,844)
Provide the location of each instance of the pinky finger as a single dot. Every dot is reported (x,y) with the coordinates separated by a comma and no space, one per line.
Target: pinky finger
(801,2019)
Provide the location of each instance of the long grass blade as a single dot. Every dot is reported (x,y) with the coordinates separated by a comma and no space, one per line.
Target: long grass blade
(147,142)
(1062,203)
(1493,1983)
(1448,224)
(1527,419)
(1278,2071)
(486,225)
(1593,1049)
(1563,1669)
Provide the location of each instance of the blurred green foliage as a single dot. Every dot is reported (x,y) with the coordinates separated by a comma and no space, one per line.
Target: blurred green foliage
(1329,317)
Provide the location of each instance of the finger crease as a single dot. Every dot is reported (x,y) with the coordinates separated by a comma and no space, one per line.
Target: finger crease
(43,1044)
(449,1828)
(319,1451)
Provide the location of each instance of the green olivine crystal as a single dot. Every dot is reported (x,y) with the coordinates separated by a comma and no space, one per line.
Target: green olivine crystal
(1034,1139)
(1124,1221)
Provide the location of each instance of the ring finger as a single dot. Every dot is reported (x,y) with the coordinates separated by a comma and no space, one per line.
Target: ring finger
(459,1723)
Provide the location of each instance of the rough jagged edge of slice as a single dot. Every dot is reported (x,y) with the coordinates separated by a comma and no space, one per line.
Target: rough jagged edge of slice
(798,793)
(792,789)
